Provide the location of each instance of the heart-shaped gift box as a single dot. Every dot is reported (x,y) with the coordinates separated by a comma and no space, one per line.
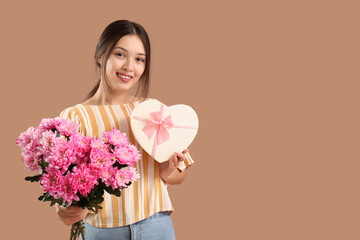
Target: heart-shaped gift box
(163,130)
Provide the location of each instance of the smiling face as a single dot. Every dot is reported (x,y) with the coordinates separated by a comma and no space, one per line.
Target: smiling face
(125,64)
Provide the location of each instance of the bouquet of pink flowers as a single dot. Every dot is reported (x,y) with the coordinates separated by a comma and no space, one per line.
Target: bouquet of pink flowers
(74,169)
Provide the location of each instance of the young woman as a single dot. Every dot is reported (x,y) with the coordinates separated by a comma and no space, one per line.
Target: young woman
(143,211)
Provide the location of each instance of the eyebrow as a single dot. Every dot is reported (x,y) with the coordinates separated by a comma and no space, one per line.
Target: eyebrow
(127,50)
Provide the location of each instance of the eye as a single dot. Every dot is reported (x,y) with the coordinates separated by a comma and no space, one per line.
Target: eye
(119,54)
(140,59)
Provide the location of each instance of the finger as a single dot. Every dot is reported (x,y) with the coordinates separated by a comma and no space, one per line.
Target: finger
(185,151)
(180,157)
(57,208)
(175,160)
(68,220)
(60,208)
(64,214)
(84,215)
(71,209)
(72,213)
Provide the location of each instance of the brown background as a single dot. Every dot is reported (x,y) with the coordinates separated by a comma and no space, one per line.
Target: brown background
(275,85)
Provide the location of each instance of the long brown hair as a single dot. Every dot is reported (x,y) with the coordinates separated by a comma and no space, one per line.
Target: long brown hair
(107,41)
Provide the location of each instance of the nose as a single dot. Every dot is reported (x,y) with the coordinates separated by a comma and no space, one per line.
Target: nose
(128,65)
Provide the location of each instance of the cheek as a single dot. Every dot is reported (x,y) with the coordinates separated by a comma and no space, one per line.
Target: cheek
(141,71)
(109,68)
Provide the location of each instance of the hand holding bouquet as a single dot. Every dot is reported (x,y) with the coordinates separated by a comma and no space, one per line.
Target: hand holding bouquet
(74,169)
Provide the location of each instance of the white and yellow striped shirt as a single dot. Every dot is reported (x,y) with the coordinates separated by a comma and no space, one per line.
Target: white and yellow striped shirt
(144,197)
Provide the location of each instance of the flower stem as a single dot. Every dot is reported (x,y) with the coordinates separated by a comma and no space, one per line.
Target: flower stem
(77,229)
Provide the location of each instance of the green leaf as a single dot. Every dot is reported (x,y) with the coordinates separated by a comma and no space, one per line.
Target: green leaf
(43,165)
(45,197)
(95,202)
(116,192)
(53,201)
(35,178)
(119,166)
(111,148)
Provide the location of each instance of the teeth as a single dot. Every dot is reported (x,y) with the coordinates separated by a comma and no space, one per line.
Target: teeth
(123,76)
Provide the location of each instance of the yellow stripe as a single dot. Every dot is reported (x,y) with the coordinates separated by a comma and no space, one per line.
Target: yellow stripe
(114,200)
(145,164)
(65,113)
(82,121)
(115,210)
(156,184)
(95,132)
(123,208)
(105,118)
(123,193)
(157,179)
(114,117)
(93,122)
(131,136)
(135,184)
(93,220)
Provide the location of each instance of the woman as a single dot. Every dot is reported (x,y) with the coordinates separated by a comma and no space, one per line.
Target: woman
(143,211)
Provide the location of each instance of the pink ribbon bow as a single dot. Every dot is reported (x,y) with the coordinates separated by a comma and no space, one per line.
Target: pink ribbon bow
(155,124)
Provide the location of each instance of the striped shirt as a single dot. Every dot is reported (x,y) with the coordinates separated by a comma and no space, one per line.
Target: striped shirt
(144,197)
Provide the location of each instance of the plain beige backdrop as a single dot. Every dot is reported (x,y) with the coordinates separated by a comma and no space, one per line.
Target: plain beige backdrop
(275,85)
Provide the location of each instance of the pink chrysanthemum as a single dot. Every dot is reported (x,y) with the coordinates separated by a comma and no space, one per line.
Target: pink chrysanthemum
(62,154)
(107,176)
(32,161)
(100,159)
(46,143)
(119,178)
(67,192)
(115,137)
(81,144)
(127,155)
(29,140)
(94,171)
(67,127)
(129,174)
(82,180)
(50,123)
(116,180)
(25,138)
(52,181)
(99,144)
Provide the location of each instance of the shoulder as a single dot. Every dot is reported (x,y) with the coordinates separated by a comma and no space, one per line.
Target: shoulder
(74,114)
(70,113)
(143,99)
(66,112)
(150,99)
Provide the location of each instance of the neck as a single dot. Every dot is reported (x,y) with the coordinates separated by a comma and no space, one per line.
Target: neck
(105,96)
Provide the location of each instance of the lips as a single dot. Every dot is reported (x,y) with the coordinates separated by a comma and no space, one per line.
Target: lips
(124,77)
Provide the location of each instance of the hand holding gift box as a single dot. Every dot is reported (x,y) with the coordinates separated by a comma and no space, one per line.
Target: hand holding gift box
(161,130)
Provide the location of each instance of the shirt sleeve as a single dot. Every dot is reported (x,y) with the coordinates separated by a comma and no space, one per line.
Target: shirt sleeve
(70,114)
(186,163)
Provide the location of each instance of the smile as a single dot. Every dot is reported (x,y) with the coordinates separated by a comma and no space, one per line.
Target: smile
(125,78)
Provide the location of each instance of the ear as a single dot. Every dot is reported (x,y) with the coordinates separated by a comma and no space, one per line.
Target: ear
(100,60)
